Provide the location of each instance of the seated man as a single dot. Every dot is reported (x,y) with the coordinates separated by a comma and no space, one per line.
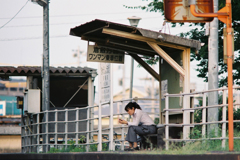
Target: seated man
(139,117)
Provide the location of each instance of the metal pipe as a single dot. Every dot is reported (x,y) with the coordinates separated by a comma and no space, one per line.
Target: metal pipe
(131,78)
(230,76)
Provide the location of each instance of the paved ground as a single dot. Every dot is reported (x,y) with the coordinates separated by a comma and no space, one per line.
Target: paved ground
(118,156)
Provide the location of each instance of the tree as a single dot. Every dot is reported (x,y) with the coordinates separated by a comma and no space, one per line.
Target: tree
(198,34)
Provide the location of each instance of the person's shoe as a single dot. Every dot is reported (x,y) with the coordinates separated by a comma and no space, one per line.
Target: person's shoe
(132,149)
(136,149)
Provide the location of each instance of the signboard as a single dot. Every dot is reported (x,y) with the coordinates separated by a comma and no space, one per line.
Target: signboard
(106,55)
(179,10)
(2,108)
(105,82)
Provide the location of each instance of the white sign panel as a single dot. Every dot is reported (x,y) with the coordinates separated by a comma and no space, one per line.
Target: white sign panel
(105,81)
(164,88)
(106,55)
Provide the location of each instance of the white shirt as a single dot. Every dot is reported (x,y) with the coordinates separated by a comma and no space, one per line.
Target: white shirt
(140,116)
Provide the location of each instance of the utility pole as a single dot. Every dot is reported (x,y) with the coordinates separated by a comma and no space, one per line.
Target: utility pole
(45,69)
(213,72)
(45,64)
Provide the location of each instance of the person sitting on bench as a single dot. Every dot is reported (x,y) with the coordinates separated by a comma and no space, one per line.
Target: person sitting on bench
(142,125)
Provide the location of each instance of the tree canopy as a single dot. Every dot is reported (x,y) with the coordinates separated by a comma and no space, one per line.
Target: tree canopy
(199,34)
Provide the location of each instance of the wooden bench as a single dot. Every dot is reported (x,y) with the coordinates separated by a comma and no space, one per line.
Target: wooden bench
(156,140)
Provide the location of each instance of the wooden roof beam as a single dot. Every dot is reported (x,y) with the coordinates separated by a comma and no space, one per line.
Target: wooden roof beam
(138,38)
(146,66)
(167,58)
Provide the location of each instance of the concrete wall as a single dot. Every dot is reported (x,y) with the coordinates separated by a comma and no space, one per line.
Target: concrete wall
(174,82)
(10,143)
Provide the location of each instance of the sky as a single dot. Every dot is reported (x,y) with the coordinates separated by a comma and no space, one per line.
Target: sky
(21,38)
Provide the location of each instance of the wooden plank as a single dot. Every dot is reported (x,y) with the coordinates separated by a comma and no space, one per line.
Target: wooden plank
(146,66)
(167,58)
(139,38)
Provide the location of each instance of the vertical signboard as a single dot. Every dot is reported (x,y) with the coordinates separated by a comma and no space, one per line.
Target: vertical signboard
(105,82)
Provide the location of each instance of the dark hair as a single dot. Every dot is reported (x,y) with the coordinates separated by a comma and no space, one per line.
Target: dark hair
(131,105)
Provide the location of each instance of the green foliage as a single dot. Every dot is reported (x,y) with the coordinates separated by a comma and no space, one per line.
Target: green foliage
(154,6)
(81,148)
(198,34)
(156,121)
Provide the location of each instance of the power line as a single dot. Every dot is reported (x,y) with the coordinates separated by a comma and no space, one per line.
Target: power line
(66,23)
(27,38)
(14,15)
(36,25)
(73,15)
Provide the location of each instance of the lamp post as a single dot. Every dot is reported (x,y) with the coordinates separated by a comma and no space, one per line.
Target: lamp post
(133,22)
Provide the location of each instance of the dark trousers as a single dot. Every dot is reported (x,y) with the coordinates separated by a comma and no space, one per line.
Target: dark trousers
(142,130)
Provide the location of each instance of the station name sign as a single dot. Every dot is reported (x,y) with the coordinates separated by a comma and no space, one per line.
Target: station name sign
(105,55)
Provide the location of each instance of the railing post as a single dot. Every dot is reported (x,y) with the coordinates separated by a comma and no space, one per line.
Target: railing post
(87,135)
(56,127)
(77,123)
(100,127)
(38,136)
(204,115)
(186,117)
(122,130)
(167,121)
(66,128)
(224,117)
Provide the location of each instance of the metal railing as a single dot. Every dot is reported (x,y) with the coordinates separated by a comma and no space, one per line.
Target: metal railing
(186,110)
(61,128)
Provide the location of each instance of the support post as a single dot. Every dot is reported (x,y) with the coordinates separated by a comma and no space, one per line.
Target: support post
(160,92)
(90,103)
(99,111)
(45,67)
(111,147)
(213,73)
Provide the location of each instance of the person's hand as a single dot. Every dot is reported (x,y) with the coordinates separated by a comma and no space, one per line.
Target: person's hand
(122,121)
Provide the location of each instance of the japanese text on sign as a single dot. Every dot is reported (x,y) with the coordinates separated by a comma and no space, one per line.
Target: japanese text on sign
(101,54)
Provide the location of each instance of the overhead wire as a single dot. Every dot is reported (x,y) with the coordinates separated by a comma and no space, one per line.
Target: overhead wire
(73,15)
(14,15)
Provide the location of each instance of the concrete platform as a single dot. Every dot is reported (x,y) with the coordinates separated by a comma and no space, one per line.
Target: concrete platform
(117,156)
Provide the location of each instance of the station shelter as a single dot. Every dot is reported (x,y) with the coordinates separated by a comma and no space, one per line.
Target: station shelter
(173,53)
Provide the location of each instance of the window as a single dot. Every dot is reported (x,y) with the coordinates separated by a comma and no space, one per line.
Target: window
(13,89)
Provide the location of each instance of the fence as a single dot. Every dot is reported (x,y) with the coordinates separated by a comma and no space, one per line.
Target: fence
(185,110)
(61,128)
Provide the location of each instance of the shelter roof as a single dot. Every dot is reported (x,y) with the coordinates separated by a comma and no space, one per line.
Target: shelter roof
(36,71)
(130,39)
